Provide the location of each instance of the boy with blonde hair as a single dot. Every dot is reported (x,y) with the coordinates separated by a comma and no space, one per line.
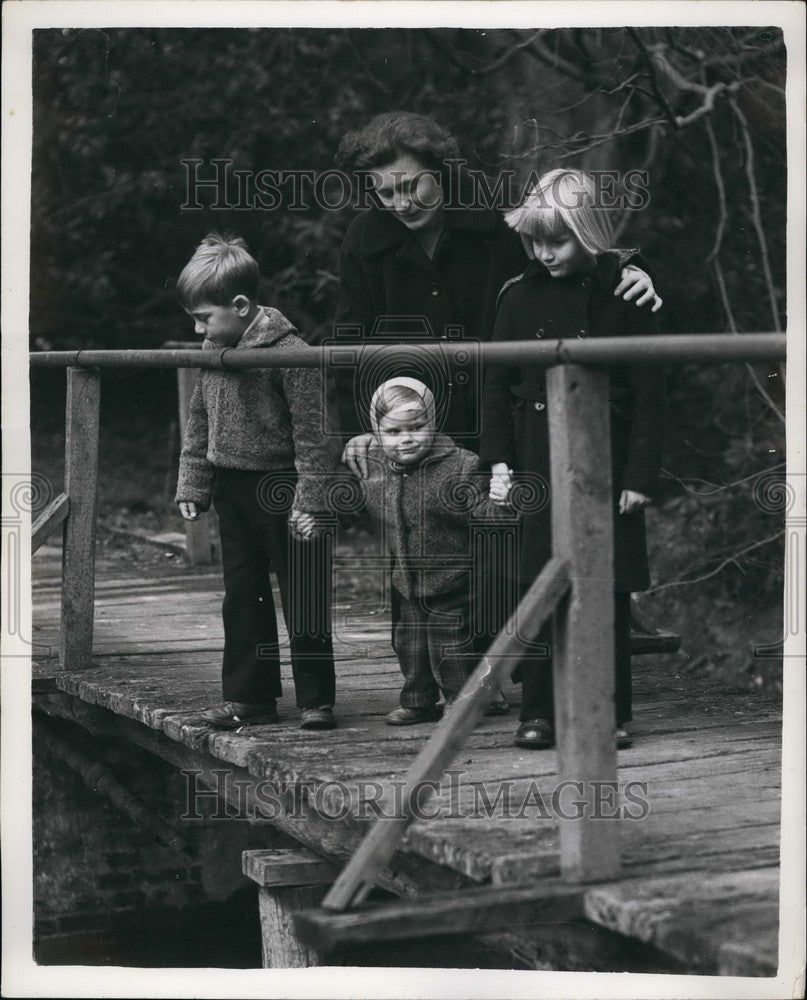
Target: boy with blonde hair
(255,446)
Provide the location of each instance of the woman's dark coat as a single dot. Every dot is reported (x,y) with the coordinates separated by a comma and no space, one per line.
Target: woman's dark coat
(390,290)
(516,431)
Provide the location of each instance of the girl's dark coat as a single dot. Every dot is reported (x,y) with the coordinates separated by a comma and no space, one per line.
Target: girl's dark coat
(515,413)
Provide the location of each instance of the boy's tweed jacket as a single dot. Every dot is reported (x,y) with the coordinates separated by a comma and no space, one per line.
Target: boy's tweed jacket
(425,512)
(263,419)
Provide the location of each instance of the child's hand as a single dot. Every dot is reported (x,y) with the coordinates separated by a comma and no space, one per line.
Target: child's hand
(355,454)
(302,526)
(636,282)
(629,501)
(501,482)
(189,509)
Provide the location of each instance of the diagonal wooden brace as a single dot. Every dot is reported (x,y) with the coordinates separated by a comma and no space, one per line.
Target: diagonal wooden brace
(51,518)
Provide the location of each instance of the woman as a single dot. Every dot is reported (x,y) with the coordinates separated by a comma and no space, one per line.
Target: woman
(417,267)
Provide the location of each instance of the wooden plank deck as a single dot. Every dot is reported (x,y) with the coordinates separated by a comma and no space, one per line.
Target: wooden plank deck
(701,860)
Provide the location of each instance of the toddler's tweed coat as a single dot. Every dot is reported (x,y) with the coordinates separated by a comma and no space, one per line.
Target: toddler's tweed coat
(262,419)
(425,513)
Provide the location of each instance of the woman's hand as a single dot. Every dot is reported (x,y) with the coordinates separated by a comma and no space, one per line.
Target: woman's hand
(636,282)
(629,501)
(355,454)
(501,482)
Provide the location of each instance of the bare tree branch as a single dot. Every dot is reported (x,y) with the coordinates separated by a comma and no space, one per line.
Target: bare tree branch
(661,100)
(714,259)
(557,62)
(756,212)
(729,560)
(490,67)
(713,487)
(717,173)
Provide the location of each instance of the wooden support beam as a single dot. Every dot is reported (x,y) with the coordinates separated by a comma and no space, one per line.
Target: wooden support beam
(81,487)
(276,867)
(583,641)
(198,546)
(469,911)
(49,520)
(508,647)
(290,881)
(100,779)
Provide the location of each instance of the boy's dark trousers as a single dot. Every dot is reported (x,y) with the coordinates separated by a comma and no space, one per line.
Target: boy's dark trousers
(536,671)
(432,640)
(253,510)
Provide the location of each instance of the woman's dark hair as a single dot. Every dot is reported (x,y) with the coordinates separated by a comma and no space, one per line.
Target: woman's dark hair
(393,134)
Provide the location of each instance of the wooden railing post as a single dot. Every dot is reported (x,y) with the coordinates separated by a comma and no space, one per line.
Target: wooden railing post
(583,640)
(197,533)
(81,487)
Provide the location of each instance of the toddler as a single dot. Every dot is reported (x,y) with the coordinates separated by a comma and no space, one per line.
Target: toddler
(423,491)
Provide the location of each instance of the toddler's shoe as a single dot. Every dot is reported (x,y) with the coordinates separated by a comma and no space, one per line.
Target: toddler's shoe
(233,714)
(318,718)
(499,706)
(412,716)
(535,734)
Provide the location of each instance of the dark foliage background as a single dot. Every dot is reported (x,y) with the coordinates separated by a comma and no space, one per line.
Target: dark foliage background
(701,109)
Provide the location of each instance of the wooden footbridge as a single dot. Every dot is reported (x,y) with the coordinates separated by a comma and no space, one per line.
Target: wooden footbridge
(561,856)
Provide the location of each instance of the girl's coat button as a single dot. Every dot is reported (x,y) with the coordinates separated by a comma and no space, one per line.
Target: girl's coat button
(540,406)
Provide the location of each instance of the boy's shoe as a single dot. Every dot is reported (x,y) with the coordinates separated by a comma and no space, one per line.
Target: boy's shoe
(535,734)
(412,716)
(233,714)
(318,718)
(623,738)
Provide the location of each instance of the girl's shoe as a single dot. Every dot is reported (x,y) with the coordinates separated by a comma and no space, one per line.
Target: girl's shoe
(412,716)
(535,734)
(234,714)
(623,738)
(318,718)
